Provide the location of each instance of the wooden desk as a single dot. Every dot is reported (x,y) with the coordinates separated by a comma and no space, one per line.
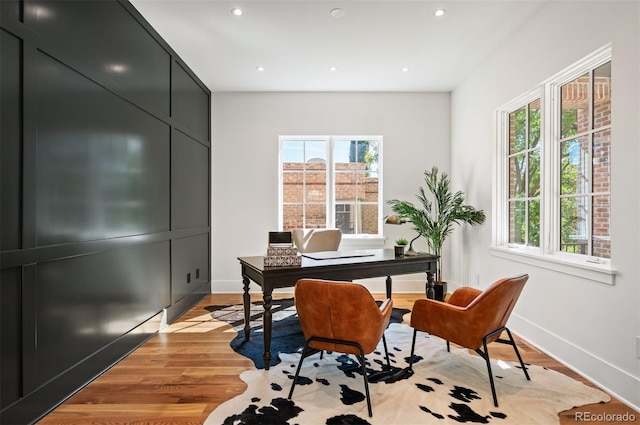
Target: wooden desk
(382,263)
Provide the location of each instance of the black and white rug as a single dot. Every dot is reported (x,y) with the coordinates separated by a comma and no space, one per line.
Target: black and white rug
(446,388)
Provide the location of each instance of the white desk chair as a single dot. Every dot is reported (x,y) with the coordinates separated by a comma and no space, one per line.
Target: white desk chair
(317,240)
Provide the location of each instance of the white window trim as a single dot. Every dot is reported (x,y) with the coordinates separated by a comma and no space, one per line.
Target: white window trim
(349,241)
(545,256)
(501,176)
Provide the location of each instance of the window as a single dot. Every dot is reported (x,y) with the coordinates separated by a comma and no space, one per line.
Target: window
(552,192)
(585,142)
(524,175)
(328,182)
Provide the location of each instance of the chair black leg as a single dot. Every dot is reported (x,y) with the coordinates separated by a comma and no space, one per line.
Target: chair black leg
(485,356)
(305,352)
(413,346)
(448,347)
(362,361)
(386,352)
(515,348)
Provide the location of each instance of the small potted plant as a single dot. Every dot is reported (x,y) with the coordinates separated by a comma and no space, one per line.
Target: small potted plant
(401,244)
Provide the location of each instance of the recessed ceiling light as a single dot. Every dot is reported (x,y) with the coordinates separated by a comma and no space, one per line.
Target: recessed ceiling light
(236,11)
(333,68)
(405,69)
(260,68)
(337,12)
(440,12)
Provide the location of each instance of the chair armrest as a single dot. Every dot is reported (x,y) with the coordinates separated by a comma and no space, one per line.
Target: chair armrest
(429,311)
(386,305)
(386,308)
(463,296)
(458,324)
(375,328)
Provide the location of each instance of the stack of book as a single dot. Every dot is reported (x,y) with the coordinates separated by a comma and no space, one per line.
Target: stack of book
(281,252)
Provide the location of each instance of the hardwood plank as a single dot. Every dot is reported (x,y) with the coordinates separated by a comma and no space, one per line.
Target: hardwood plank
(138,409)
(184,372)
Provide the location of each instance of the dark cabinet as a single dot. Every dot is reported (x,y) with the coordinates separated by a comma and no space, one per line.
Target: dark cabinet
(189,264)
(104,194)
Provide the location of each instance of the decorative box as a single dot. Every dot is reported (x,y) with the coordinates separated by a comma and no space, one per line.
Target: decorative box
(279,251)
(282,260)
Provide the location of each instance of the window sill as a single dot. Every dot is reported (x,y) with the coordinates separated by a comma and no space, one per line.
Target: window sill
(602,273)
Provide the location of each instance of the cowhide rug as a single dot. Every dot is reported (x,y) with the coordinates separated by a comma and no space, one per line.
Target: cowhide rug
(446,388)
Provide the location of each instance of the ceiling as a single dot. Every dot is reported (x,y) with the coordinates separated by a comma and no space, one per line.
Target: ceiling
(298,41)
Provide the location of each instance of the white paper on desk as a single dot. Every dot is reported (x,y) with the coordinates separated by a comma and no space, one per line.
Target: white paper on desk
(332,255)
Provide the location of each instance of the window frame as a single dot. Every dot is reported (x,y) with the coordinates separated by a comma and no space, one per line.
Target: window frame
(548,254)
(330,141)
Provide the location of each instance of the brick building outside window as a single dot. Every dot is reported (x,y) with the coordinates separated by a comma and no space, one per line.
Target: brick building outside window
(331,181)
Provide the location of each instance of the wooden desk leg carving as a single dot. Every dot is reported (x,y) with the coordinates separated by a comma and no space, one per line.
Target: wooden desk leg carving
(388,282)
(266,326)
(246,300)
(431,292)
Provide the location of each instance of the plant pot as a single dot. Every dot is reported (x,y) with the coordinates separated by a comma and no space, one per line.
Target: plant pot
(399,250)
(440,290)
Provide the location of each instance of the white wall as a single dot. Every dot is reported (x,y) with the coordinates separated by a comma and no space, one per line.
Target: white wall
(244,163)
(590,326)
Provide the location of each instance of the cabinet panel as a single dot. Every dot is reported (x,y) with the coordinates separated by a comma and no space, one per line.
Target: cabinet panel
(10,10)
(84,303)
(10,336)
(102,162)
(10,141)
(104,35)
(189,102)
(190,265)
(189,183)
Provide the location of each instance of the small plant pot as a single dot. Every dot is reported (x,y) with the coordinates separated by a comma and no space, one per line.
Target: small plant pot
(399,250)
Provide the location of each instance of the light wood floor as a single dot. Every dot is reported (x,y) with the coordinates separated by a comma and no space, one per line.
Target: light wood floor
(181,374)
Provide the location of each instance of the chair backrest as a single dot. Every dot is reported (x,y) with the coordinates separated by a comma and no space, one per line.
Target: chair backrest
(494,305)
(316,240)
(339,310)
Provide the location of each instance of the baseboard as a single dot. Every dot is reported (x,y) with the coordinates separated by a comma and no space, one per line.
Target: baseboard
(605,375)
(183,305)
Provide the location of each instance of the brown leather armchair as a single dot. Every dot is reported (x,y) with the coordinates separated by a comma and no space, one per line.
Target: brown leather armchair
(471,318)
(342,317)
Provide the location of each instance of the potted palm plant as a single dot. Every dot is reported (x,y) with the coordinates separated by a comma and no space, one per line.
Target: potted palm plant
(439,210)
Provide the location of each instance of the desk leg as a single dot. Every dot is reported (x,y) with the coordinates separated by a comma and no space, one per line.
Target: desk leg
(266,326)
(388,282)
(246,298)
(431,293)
